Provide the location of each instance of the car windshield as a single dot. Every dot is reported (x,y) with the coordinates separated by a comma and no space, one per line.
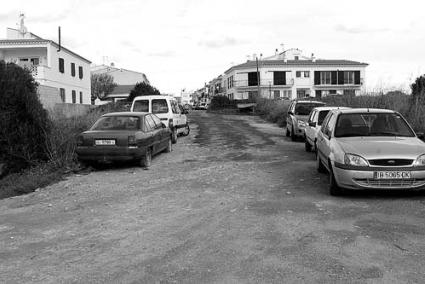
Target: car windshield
(372,124)
(322,116)
(116,123)
(306,108)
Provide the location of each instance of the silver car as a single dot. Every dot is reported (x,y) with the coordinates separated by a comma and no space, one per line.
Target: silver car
(296,118)
(370,149)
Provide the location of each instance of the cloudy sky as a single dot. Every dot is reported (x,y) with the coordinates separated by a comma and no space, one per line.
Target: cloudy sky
(185,43)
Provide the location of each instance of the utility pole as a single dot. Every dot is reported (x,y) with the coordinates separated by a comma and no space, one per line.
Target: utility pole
(258,78)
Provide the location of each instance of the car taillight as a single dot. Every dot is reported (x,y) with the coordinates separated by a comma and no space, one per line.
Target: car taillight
(131,140)
(80,141)
(170,123)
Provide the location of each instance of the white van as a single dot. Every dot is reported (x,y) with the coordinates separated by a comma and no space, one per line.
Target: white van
(167,109)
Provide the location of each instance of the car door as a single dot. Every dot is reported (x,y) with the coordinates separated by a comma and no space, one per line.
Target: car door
(154,134)
(325,137)
(309,130)
(163,133)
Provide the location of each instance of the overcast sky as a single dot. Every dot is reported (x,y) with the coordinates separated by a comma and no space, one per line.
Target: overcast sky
(185,43)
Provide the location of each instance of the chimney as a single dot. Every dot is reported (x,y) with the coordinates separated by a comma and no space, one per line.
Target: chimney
(313,58)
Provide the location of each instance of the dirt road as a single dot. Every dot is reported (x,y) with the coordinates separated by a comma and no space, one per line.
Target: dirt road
(235,201)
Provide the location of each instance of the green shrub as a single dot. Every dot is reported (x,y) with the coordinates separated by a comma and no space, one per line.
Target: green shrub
(24,124)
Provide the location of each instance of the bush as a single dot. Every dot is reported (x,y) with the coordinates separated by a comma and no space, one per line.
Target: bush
(273,110)
(24,124)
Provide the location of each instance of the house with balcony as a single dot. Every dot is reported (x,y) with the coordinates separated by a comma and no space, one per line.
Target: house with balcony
(124,78)
(63,75)
(291,75)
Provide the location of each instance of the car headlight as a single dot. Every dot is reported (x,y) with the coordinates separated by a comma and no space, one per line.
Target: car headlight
(420,161)
(301,123)
(355,160)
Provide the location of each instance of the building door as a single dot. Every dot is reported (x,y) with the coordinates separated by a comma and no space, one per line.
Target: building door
(301,93)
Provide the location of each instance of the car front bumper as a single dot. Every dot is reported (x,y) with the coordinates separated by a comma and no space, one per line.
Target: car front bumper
(350,178)
(109,153)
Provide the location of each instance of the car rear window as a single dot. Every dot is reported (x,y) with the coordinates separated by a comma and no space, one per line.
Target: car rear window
(116,123)
(306,108)
(141,105)
(159,106)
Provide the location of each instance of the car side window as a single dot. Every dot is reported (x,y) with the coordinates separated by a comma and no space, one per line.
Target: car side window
(290,108)
(325,125)
(141,105)
(311,117)
(149,123)
(174,107)
(157,121)
(159,106)
(331,125)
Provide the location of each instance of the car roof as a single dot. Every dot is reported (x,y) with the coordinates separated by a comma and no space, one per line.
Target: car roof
(126,113)
(153,97)
(306,102)
(365,110)
(329,108)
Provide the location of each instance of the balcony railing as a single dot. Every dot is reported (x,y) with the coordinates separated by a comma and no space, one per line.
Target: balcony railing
(263,83)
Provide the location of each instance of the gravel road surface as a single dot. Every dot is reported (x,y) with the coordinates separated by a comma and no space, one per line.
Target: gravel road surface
(235,202)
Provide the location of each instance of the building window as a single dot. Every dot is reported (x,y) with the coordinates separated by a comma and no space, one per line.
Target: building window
(332,92)
(230,82)
(297,57)
(62,94)
(279,78)
(325,77)
(348,77)
(74,97)
(81,97)
(306,74)
(230,96)
(80,72)
(73,69)
(298,74)
(252,79)
(61,65)
(301,93)
(276,94)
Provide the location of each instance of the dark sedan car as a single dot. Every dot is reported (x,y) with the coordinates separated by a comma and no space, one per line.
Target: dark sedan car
(123,136)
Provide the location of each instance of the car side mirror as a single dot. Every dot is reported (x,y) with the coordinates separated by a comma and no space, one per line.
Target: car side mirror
(312,124)
(290,112)
(163,125)
(421,135)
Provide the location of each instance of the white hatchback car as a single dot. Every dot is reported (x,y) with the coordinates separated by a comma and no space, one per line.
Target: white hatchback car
(167,109)
(314,123)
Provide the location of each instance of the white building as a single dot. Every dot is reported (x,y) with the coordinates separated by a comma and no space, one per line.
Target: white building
(289,74)
(63,75)
(125,80)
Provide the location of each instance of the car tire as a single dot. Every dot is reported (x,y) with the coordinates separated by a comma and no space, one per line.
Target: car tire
(293,137)
(307,145)
(319,166)
(169,146)
(186,130)
(334,189)
(174,135)
(146,160)
(287,132)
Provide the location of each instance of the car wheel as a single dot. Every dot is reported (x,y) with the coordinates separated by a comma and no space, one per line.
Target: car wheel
(287,132)
(334,189)
(293,137)
(315,147)
(319,166)
(186,130)
(169,146)
(307,145)
(174,135)
(146,160)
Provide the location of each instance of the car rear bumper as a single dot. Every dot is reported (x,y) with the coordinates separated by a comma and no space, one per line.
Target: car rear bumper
(113,153)
(364,179)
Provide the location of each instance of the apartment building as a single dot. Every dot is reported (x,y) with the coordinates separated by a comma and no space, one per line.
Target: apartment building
(291,75)
(63,75)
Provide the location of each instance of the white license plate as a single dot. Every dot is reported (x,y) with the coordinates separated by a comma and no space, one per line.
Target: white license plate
(392,175)
(105,142)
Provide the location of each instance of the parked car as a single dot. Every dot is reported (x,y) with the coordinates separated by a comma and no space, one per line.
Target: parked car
(167,109)
(296,119)
(123,136)
(314,122)
(370,149)
(202,106)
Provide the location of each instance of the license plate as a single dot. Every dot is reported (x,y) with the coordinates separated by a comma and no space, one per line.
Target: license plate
(392,175)
(105,142)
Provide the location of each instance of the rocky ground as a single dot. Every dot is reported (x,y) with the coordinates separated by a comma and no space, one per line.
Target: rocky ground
(235,201)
